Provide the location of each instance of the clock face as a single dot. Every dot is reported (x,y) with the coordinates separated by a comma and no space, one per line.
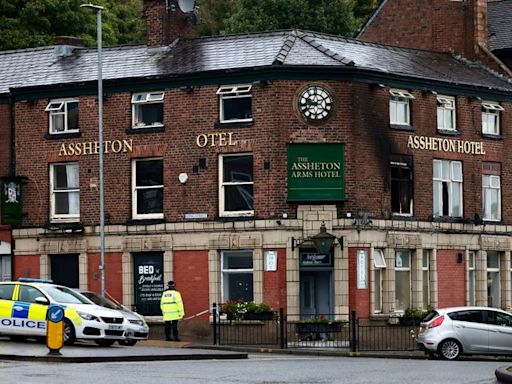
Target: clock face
(315,103)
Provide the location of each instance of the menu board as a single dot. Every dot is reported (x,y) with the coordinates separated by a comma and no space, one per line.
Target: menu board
(148,282)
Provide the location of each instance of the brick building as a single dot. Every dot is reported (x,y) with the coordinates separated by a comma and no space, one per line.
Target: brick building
(225,156)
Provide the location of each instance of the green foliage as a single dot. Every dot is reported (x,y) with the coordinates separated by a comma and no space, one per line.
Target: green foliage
(236,309)
(32,23)
(415,315)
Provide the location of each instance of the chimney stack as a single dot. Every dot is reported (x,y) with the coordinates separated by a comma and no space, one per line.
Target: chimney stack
(165,22)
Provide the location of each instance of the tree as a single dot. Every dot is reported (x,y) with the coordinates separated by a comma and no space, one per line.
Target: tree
(32,23)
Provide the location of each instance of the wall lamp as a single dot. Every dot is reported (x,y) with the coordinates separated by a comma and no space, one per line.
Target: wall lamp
(323,241)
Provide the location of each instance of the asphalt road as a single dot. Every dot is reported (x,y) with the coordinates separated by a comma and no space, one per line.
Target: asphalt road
(258,369)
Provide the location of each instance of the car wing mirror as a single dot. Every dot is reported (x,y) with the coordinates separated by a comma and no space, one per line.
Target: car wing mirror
(42,300)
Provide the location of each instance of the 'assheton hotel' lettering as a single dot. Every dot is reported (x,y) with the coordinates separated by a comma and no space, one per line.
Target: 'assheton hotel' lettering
(93,147)
(445,145)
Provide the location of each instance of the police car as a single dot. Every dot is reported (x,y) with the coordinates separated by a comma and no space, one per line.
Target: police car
(24,304)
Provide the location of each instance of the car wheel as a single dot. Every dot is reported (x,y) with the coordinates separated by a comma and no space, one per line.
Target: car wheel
(128,343)
(450,349)
(105,343)
(69,332)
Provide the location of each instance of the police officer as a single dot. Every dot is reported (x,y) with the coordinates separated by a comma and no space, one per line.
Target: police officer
(171,305)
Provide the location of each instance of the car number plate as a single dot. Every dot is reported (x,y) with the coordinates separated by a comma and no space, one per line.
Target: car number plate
(115,327)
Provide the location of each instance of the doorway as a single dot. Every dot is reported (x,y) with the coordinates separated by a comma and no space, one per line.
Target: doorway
(64,269)
(316,284)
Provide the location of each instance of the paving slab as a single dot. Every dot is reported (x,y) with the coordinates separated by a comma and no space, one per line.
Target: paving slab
(91,353)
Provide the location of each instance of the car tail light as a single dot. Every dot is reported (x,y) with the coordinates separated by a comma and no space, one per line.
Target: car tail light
(436,322)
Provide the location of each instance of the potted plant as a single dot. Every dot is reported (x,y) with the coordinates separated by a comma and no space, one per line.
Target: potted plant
(246,310)
(414,316)
(320,324)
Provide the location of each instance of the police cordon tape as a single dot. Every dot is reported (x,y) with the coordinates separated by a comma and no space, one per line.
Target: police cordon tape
(199,314)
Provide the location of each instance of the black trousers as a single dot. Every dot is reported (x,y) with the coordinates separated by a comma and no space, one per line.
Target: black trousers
(171,325)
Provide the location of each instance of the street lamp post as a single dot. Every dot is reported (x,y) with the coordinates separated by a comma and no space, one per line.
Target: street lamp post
(98,9)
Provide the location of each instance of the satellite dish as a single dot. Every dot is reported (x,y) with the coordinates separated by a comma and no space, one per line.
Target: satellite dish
(186,5)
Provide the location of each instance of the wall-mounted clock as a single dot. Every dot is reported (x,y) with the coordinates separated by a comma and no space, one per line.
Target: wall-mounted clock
(315,103)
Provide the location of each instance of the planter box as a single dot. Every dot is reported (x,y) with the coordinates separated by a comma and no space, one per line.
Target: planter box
(254,316)
(318,327)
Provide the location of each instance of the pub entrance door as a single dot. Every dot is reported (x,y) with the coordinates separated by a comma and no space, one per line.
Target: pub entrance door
(316,284)
(64,269)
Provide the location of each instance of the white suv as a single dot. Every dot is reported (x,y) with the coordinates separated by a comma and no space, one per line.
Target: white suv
(24,303)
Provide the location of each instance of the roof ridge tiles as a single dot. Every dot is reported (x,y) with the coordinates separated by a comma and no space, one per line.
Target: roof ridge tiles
(326,51)
(482,66)
(286,48)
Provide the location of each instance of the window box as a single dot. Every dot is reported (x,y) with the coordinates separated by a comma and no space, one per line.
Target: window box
(318,327)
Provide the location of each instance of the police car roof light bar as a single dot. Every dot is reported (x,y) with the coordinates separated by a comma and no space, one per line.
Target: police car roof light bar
(30,280)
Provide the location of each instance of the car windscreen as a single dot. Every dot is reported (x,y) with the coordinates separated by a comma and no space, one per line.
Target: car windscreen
(100,300)
(65,295)
(430,316)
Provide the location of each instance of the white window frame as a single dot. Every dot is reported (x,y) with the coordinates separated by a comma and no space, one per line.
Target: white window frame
(494,270)
(228,92)
(222,185)
(59,107)
(403,269)
(224,271)
(454,180)
(491,116)
(446,113)
(379,265)
(491,183)
(135,189)
(471,278)
(54,216)
(397,98)
(145,98)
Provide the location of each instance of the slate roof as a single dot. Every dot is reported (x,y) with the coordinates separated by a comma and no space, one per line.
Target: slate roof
(291,48)
(499,22)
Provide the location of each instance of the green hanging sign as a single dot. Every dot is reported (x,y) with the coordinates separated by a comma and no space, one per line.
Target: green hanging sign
(11,201)
(316,172)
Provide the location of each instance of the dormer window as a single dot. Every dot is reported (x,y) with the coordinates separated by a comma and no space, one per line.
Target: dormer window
(63,116)
(235,103)
(399,107)
(491,117)
(147,109)
(446,113)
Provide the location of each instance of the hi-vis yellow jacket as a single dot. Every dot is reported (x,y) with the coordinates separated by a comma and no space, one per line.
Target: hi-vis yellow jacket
(172,305)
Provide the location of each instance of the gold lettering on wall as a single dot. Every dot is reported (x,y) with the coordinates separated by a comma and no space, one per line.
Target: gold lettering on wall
(93,147)
(446,145)
(218,139)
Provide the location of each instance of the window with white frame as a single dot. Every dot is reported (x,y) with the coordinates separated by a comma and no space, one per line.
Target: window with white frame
(400,107)
(147,188)
(425,270)
(493,279)
(147,109)
(379,267)
(401,184)
(402,280)
(65,192)
(63,115)
(446,113)
(471,278)
(236,185)
(491,197)
(491,117)
(447,177)
(237,275)
(235,103)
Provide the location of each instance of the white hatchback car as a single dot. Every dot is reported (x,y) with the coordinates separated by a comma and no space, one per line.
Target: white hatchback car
(24,304)
(450,332)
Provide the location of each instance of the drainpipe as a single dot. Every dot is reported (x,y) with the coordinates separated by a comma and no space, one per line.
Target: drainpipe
(12,164)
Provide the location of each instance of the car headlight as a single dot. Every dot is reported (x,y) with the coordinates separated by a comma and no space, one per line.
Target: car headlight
(87,316)
(137,322)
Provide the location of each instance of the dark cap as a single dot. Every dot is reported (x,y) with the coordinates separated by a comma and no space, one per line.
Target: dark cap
(171,284)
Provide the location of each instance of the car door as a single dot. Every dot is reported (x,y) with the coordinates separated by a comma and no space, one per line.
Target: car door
(6,305)
(471,330)
(29,316)
(500,332)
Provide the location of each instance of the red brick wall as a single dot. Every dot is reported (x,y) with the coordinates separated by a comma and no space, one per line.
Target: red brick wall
(5,138)
(274,283)
(368,139)
(26,266)
(451,279)
(191,278)
(359,299)
(113,274)
(440,25)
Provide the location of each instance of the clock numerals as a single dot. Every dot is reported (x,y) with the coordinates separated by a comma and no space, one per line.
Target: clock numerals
(315,103)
